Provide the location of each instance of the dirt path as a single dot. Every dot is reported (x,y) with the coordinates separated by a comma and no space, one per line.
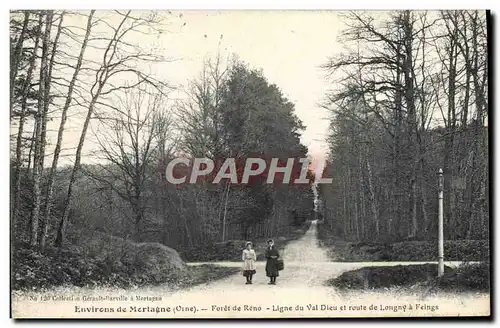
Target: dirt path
(299,292)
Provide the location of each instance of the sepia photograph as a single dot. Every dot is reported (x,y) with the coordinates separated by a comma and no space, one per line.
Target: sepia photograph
(249,164)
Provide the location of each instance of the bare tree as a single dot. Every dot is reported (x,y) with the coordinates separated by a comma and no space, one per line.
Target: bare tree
(15,57)
(64,115)
(119,60)
(40,122)
(25,91)
(199,116)
(130,148)
(407,67)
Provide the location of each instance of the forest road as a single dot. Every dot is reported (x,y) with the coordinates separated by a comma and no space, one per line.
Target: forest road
(302,283)
(300,292)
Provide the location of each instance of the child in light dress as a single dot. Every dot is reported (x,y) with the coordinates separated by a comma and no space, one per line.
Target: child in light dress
(249,257)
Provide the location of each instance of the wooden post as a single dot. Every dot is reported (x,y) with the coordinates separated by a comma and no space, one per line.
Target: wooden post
(440,226)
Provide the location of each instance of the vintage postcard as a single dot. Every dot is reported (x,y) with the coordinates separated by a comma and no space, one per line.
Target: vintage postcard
(249,164)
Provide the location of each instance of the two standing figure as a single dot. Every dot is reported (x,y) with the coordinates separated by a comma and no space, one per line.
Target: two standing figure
(249,257)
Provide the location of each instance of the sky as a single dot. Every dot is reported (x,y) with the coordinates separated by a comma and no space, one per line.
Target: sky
(289,46)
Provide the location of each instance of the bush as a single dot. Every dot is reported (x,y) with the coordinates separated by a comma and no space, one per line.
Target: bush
(469,276)
(102,246)
(386,276)
(454,250)
(129,265)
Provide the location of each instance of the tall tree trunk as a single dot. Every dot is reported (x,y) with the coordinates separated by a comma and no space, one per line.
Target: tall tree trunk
(345,217)
(40,121)
(361,191)
(480,158)
(46,104)
(395,212)
(224,214)
(64,115)
(15,58)
(423,203)
(389,219)
(67,203)
(186,227)
(48,80)
(20,131)
(101,79)
(412,118)
(355,218)
(371,196)
(450,138)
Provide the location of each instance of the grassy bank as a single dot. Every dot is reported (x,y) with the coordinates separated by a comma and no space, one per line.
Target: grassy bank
(231,250)
(132,265)
(467,277)
(454,250)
